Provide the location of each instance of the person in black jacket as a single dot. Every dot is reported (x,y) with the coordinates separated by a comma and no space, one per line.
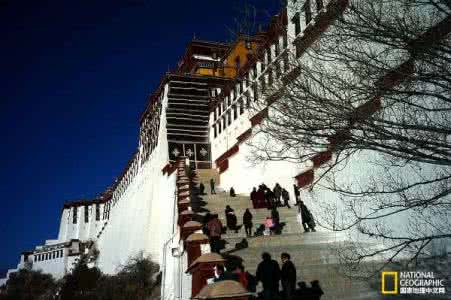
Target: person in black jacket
(307,218)
(269,198)
(201,189)
(277,190)
(316,290)
(268,272)
(212,186)
(253,197)
(286,198)
(297,193)
(247,222)
(288,276)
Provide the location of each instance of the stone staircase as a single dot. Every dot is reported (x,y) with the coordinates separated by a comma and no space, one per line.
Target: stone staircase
(311,252)
(204,176)
(187,112)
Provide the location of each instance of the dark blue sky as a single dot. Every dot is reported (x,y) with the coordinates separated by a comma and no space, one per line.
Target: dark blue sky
(74,80)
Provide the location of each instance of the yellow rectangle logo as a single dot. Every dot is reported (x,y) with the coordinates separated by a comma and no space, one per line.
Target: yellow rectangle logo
(387,278)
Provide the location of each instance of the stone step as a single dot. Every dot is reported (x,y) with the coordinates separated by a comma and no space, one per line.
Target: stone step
(288,229)
(255,212)
(307,238)
(206,174)
(313,262)
(312,253)
(284,240)
(260,218)
(225,195)
(223,199)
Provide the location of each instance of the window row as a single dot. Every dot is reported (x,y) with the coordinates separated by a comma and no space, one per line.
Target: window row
(229,110)
(307,11)
(106,211)
(262,75)
(86,213)
(149,134)
(226,120)
(273,64)
(48,255)
(265,80)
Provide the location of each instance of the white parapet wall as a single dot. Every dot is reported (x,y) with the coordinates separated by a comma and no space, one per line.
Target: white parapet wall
(85,226)
(143,218)
(243,174)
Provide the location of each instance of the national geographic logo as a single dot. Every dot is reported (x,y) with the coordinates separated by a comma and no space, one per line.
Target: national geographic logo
(418,283)
(389,283)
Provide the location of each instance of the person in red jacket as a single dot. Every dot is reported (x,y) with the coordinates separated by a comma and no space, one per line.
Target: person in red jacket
(214,227)
(254,198)
(260,196)
(242,277)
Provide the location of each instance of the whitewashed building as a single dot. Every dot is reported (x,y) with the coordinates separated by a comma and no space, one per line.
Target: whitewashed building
(204,111)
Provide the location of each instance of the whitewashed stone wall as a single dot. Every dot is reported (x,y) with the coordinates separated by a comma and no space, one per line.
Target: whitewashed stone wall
(80,230)
(57,266)
(143,219)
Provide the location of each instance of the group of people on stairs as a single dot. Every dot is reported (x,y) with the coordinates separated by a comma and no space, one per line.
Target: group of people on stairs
(272,276)
(271,225)
(271,200)
(264,197)
(268,272)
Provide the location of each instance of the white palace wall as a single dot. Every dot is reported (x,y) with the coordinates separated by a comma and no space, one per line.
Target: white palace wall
(56,266)
(80,230)
(143,218)
(243,174)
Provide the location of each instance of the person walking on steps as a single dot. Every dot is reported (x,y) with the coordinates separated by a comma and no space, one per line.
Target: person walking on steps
(214,227)
(247,222)
(275,217)
(260,196)
(286,198)
(201,189)
(269,198)
(268,272)
(212,186)
(297,193)
(277,190)
(306,217)
(288,277)
(253,197)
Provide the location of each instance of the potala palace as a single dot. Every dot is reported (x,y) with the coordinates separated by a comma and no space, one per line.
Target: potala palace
(204,115)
